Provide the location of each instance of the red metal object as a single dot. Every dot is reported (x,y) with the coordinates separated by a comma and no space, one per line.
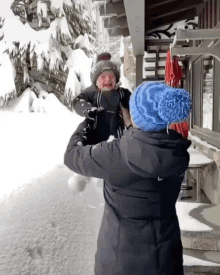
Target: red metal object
(182,128)
(173,75)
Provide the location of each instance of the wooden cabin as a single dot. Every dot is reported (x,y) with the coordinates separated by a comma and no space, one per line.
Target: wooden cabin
(151,27)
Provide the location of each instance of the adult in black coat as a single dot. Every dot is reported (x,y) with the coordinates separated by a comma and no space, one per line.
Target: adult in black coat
(142,174)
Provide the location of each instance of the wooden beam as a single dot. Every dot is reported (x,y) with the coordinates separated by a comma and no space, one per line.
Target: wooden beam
(115,22)
(203,18)
(153,59)
(161,42)
(214,12)
(160,77)
(155,24)
(157,61)
(113,8)
(200,21)
(139,69)
(135,12)
(218,11)
(171,9)
(151,69)
(153,51)
(206,15)
(118,32)
(209,15)
(157,3)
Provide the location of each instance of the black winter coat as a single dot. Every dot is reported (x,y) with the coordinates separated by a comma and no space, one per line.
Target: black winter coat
(142,172)
(110,121)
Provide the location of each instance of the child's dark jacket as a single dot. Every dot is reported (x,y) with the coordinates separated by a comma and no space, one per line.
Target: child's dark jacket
(109,121)
(142,175)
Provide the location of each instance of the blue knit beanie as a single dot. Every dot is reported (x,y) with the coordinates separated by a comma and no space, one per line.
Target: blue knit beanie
(154,105)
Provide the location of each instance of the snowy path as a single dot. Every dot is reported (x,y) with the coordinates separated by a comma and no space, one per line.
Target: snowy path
(44,229)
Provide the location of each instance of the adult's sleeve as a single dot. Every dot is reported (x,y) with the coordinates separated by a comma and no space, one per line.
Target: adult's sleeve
(88,160)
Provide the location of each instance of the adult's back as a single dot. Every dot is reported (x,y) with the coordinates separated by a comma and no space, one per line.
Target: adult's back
(142,175)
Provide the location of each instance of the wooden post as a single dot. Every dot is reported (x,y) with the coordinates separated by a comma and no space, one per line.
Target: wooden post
(203,18)
(214,12)
(157,62)
(218,11)
(200,21)
(209,3)
(206,15)
(139,69)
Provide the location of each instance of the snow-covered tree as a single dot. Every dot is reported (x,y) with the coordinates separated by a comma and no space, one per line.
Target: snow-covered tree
(101,34)
(37,38)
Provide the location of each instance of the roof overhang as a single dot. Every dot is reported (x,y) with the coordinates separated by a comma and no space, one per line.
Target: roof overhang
(135,12)
(140,17)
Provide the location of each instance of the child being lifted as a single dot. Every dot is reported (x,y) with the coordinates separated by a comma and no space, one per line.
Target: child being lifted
(105,102)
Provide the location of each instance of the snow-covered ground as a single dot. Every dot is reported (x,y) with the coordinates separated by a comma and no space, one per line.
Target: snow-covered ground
(44,228)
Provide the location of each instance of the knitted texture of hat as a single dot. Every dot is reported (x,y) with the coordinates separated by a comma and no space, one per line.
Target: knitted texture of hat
(154,105)
(102,66)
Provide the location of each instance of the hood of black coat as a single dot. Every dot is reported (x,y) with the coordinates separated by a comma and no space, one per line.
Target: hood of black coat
(155,154)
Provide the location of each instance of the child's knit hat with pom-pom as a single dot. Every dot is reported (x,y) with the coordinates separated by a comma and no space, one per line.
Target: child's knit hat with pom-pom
(154,105)
(102,64)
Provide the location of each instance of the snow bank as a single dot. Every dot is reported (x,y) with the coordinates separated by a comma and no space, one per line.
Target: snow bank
(20,104)
(32,145)
(29,102)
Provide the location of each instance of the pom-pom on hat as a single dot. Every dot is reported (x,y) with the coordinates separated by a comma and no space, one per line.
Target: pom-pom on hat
(103,56)
(155,105)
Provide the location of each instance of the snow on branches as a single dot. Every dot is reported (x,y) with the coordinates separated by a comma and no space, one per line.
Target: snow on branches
(40,42)
(7,75)
(42,9)
(36,37)
(41,12)
(57,7)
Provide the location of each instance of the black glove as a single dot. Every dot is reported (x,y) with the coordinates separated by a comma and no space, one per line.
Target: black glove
(86,134)
(91,113)
(84,130)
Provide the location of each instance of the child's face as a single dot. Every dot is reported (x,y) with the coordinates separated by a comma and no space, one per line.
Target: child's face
(106,81)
